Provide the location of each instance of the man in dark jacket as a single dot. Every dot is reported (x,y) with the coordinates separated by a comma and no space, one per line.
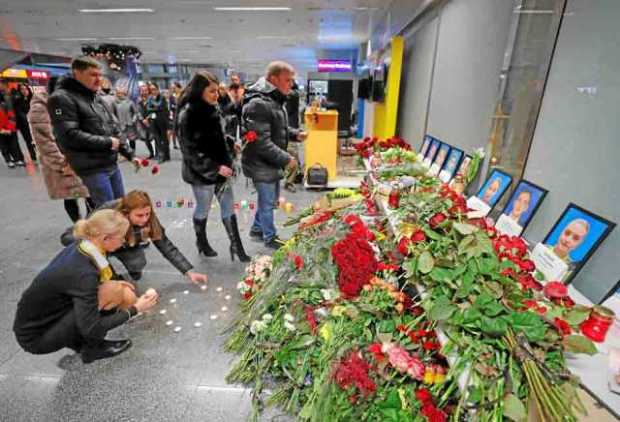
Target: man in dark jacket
(266,135)
(87,132)
(292,110)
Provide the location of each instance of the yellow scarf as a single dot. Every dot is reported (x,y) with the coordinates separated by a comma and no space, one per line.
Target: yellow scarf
(98,258)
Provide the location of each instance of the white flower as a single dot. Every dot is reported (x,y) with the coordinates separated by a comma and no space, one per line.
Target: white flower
(330,294)
(480,152)
(289,326)
(257,326)
(289,318)
(267,317)
(321,312)
(241,286)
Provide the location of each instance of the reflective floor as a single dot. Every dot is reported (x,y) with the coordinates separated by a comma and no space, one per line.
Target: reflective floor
(165,376)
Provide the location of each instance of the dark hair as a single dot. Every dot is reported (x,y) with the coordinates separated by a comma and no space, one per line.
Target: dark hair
(140,199)
(84,62)
(234,87)
(51,84)
(196,86)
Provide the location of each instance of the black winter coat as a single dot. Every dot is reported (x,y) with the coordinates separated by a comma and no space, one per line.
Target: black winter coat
(203,144)
(158,112)
(83,127)
(263,112)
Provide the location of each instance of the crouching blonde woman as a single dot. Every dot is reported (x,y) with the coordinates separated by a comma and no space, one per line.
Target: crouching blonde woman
(73,302)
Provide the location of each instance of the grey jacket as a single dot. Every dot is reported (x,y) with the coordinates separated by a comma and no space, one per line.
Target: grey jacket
(263,112)
(127,113)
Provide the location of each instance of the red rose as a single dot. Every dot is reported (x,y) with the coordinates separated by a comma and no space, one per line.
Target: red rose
(247,295)
(424,396)
(562,326)
(402,328)
(530,304)
(491,231)
(527,265)
(403,246)
(144,162)
(250,136)
(431,345)
(555,289)
(528,282)
(299,262)
(418,236)
(508,272)
(375,349)
(436,220)
(155,170)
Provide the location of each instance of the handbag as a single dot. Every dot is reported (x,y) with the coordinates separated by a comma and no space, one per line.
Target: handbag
(316,175)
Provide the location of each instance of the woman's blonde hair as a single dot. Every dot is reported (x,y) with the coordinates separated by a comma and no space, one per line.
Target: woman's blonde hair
(103,222)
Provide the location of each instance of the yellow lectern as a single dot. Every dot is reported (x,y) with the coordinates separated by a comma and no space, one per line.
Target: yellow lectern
(321,146)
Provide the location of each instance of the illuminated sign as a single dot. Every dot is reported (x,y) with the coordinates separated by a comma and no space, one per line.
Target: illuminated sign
(14,73)
(38,74)
(328,65)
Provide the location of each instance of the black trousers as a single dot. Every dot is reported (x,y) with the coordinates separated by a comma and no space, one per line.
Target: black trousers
(10,148)
(63,333)
(24,129)
(160,134)
(133,259)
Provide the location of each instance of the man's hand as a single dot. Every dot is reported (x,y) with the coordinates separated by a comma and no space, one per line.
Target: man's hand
(225,171)
(115,143)
(147,301)
(292,163)
(302,136)
(195,277)
(137,165)
(145,122)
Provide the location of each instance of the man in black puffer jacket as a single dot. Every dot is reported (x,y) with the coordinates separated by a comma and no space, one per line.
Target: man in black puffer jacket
(266,137)
(86,131)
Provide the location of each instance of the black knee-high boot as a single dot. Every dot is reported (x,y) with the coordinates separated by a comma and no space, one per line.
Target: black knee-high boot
(236,247)
(200,227)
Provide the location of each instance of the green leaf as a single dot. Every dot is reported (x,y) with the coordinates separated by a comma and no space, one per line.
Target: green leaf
(493,326)
(410,266)
(471,315)
(495,289)
(530,324)
(577,315)
(465,244)
(579,344)
(493,309)
(425,262)
(392,400)
(466,286)
(431,234)
(488,266)
(464,229)
(484,299)
(442,309)
(387,326)
(475,395)
(303,342)
(514,408)
(442,275)
(384,337)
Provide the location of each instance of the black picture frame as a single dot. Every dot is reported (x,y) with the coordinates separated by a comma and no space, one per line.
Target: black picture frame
(458,164)
(459,168)
(594,246)
(610,293)
(429,139)
(516,191)
(437,142)
(442,145)
(493,175)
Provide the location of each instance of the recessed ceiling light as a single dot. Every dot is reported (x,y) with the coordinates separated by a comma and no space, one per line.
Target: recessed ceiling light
(76,39)
(125,10)
(130,38)
(190,38)
(251,9)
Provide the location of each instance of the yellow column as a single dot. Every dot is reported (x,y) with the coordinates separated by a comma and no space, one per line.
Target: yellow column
(386,112)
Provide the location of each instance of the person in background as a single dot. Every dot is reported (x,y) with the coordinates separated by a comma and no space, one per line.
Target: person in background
(128,115)
(87,133)
(8,130)
(144,228)
(173,99)
(292,110)
(208,160)
(223,98)
(157,116)
(266,135)
(73,302)
(144,132)
(60,180)
(21,104)
(235,79)
(108,96)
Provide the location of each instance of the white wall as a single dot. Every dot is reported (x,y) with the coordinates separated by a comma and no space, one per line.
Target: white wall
(415,86)
(575,152)
(471,45)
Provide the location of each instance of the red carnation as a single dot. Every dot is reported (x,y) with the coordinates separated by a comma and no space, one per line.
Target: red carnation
(299,262)
(527,265)
(250,136)
(155,170)
(145,162)
(418,236)
(436,220)
(528,282)
(530,304)
(247,295)
(376,350)
(387,267)
(424,396)
(431,345)
(555,289)
(562,326)
(508,272)
(403,246)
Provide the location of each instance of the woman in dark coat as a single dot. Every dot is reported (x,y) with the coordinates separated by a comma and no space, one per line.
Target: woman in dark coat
(158,116)
(21,104)
(207,160)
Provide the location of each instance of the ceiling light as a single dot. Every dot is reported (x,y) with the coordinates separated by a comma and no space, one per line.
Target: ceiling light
(272,37)
(76,39)
(126,10)
(190,38)
(130,38)
(251,9)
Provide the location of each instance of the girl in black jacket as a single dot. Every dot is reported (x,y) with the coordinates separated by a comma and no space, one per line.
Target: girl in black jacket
(207,160)
(21,103)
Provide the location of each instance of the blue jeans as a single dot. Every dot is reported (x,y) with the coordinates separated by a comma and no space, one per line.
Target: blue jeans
(204,195)
(263,219)
(104,186)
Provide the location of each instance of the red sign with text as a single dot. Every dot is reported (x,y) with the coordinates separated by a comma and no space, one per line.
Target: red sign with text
(38,74)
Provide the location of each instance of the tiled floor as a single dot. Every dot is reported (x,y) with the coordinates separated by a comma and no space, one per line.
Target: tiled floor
(165,376)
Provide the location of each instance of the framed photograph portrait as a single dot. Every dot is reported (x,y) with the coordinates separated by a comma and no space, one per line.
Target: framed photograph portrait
(451,165)
(520,208)
(573,239)
(426,143)
(432,152)
(464,166)
(491,191)
(440,159)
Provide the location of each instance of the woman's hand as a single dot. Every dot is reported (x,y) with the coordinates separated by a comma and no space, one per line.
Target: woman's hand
(147,301)
(195,277)
(225,171)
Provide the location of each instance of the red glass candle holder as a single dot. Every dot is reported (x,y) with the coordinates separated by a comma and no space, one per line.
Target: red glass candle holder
(597,325)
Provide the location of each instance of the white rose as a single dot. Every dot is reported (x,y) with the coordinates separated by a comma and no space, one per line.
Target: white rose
(267,317)
(289,326)
(289,318)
